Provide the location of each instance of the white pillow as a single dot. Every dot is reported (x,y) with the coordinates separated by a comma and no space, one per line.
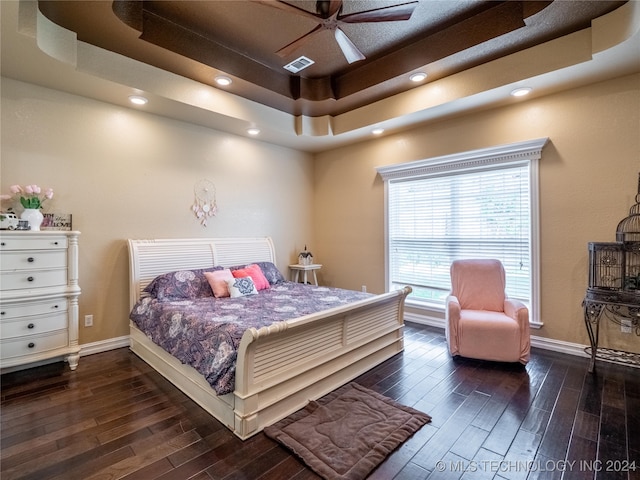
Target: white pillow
(241,286)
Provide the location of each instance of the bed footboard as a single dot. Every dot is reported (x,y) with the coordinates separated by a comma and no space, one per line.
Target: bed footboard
(283,366)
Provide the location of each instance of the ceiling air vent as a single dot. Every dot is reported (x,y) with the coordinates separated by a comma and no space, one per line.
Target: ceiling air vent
(299,64)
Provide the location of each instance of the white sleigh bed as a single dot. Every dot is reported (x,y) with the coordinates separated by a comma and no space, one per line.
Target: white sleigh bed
(280,367)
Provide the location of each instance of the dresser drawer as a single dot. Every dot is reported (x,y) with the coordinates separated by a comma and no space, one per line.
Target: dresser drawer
(35,242)
(24,326)
(32,344)
(38,259)
(11,311)
(34,279)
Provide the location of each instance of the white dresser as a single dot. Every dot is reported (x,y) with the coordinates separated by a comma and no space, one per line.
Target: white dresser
(38,297)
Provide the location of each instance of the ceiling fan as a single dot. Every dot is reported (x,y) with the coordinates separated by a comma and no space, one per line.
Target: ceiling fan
(328,17)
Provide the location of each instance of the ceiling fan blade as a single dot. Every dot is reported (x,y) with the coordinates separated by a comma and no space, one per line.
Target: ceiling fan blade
(402,11)
(288,8)
(328,8)
(350,51)
(296,44)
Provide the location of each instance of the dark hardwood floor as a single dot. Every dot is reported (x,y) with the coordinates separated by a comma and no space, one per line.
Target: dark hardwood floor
(116,418)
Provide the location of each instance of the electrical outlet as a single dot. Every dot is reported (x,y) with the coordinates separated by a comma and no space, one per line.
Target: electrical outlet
(364,288)
(88,320)
(625,325)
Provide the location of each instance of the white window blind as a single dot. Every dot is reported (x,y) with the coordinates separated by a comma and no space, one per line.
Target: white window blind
(480,214)
(479,204)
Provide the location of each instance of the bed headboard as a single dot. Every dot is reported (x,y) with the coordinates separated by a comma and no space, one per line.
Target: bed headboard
(150,258)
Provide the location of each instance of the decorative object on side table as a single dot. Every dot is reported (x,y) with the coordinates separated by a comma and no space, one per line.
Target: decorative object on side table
(31,198)
(305,257)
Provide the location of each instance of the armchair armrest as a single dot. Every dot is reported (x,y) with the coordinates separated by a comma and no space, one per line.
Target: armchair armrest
(452,306)
(452,318)
(518,311)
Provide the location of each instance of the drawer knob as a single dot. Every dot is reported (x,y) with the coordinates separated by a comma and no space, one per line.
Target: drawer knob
(2,313)
(30,279)
(55,243)
(55,306)
(31,325)
(31,345)
(30,259)
(3,244)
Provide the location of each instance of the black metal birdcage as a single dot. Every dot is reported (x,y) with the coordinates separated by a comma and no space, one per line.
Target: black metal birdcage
(615,266)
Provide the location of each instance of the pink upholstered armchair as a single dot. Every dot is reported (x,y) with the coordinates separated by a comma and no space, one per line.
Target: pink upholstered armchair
(481,322)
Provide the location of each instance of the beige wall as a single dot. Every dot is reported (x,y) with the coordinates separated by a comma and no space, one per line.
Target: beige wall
(588,181)
(124,174)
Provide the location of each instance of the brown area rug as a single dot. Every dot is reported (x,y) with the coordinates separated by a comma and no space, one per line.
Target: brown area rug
(347,433)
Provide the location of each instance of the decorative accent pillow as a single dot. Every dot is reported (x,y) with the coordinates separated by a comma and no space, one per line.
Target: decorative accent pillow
(181,284)
(241,286)
(255,273)
(218,281)
(269,270)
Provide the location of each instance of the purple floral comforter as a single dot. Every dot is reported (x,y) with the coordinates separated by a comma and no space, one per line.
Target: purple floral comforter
(206,332)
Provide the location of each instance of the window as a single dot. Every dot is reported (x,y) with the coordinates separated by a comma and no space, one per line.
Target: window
(480,204)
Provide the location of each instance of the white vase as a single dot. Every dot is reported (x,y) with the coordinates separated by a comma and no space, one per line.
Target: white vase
(34,217)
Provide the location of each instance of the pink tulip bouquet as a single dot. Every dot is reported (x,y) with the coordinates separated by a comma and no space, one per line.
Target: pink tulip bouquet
(31,196)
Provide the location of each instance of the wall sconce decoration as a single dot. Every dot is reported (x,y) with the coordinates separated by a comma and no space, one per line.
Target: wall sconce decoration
(204,206)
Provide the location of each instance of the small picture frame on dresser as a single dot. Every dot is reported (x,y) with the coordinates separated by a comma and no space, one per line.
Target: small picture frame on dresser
(56,221)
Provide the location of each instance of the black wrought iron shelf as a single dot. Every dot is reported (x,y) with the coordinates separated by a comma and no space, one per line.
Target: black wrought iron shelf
(599,306)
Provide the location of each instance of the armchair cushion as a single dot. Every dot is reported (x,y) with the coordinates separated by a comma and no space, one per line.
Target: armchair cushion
(489,335)
(478,284)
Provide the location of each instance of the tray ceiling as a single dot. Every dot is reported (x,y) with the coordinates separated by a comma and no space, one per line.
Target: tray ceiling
(241,39)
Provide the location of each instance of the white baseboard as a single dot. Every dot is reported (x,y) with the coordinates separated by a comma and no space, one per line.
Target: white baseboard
(85,349)
(559,346)
(423,319)
(120,342)
(104,345)
(539,342)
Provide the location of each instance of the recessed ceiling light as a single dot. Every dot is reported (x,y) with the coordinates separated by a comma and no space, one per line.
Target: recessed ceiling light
(137,99)
(521,92)
(253,131)
(377,131)
(223,81)
(418,77)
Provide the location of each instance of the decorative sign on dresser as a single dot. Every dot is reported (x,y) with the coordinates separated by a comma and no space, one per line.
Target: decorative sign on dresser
(38,297)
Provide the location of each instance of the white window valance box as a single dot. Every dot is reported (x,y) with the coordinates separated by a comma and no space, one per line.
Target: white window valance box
(476,204)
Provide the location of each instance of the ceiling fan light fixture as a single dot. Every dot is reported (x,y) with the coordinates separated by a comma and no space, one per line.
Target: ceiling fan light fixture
(138,100)
(521,92)
(223,81)
(418,77)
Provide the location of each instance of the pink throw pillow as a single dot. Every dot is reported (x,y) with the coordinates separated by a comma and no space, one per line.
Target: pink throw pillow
(218,282)
(256,275)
